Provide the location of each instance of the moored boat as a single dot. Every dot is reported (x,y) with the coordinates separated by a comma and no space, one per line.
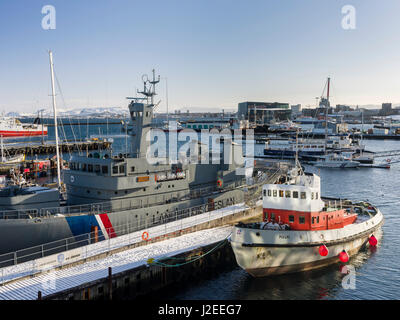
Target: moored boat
(301,231)
(12,127)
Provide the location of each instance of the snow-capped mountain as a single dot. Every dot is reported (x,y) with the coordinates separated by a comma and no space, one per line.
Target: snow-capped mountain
(86,112)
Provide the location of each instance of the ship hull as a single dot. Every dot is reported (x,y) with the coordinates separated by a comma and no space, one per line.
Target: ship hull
(22,133)
(267,258)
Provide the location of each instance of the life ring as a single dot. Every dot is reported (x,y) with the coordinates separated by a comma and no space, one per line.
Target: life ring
(145,236)
(219,183)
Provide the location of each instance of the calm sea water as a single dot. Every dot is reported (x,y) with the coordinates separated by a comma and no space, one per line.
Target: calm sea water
(377,272)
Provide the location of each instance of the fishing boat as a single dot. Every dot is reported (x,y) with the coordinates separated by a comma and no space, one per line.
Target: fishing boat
(12,127)
(302,231)
(334,160)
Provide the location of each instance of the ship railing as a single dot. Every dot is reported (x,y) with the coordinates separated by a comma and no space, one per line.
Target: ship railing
(104,207)
(117,237)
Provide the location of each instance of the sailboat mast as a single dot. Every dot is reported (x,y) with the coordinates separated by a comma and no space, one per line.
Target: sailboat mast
(2,149)
(326,116)
(55,118)
(362,131)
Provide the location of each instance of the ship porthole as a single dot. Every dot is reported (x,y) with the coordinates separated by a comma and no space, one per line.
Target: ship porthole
(72,179)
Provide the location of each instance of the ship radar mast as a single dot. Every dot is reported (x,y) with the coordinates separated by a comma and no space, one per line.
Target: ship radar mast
(141,111)
(150,91)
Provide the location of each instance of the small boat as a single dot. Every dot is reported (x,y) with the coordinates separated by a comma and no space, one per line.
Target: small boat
(335,161)
(9,161)
(302,231)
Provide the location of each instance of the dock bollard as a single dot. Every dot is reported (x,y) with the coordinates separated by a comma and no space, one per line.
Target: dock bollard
(110,283)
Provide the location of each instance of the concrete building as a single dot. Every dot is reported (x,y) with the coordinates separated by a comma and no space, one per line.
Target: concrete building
(262,113)
(386,109)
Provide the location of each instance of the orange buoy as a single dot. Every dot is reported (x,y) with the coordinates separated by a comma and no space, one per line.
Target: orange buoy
(343,256)
(323,250)
(372,241)
(145,236)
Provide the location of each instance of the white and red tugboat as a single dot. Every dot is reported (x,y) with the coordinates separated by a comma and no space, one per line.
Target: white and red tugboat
(302,231)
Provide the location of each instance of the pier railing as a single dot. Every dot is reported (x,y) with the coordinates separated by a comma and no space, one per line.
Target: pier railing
(122,231)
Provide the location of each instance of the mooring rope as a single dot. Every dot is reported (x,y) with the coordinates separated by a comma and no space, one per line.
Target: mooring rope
(152,261)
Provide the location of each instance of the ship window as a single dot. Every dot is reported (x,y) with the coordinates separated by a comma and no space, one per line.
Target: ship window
(115,169)
(303,195)
(269,193)
(83,166)
(90,168)
(132,169)
(272,216)
(265,192)
(291,218)
(302,220)
(316,195)
(275,193)
(104,169)
(97,168)
(281,193)
(313,220)
(312,195)
(318,219)
(295,194)
(287,194)
(122,169)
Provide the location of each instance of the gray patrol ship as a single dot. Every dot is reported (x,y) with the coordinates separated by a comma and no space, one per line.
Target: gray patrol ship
(109,195)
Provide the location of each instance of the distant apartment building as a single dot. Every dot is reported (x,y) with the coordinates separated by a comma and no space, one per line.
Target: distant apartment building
(263,112)
(386,109)
(316,112)
(342,108)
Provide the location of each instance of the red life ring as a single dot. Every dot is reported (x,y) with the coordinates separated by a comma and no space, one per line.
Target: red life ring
(145,236)
(219,183)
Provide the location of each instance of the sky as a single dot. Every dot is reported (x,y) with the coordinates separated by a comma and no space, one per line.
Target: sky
(210,53)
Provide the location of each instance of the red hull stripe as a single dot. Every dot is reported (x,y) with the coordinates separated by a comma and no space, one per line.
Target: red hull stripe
(107,225)
(21,133)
